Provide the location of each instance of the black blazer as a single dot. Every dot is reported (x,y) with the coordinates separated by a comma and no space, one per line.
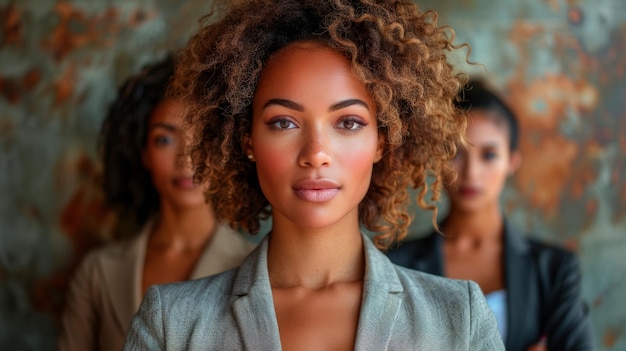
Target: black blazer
(542,284)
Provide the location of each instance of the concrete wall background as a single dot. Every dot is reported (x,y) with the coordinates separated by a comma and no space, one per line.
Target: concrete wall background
(560,63)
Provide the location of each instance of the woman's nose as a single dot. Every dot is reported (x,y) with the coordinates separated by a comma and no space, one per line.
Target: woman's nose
(470,168)
(315,151)
(183,160)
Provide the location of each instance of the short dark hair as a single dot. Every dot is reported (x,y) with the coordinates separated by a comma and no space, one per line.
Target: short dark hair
(478,96)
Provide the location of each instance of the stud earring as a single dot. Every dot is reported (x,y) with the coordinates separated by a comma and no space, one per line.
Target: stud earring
(250,157)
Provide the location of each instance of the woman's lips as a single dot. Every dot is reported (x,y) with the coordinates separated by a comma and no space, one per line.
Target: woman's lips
(316,190)
(184,183)
(468,191)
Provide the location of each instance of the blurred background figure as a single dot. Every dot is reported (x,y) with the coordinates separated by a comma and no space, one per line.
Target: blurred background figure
(166,230)
(533,288)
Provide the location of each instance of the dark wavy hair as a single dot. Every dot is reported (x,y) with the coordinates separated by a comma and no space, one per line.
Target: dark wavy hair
(478,96)
(127,184)
(398,52)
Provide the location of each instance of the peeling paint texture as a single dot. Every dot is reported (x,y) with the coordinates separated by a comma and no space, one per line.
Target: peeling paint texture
(560,63)
(561,66)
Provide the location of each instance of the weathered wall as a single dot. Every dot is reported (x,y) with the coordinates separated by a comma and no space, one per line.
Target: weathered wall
(60,64)
(560,63)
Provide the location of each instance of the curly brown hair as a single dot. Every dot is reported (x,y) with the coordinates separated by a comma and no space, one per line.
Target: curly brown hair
(126,182)
(396,50)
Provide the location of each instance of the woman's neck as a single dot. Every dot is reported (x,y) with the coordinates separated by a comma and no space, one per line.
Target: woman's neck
(478,225)
(315,258)
(188,228)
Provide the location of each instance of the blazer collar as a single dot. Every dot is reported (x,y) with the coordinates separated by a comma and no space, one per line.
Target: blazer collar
(221,253)
(382,298)
(123,267)
(519,281)
(122,271)
(514,240)
(253,305)
(520,285)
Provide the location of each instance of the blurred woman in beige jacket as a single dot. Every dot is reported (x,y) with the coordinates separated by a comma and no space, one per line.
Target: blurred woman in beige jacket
(149,182)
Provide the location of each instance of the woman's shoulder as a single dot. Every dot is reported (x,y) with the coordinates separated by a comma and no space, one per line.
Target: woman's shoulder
(232,242)
(554,264)
(522,241)
(429,284)
(436,303)
(227,249)
(551,254)
(111,250)
(184,297)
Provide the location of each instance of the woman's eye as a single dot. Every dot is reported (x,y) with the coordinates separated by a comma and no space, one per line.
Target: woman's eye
(163,140)
(351,124)
(490,155)
(282,124)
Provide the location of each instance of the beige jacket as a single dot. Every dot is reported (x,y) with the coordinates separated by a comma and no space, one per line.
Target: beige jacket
(105,291)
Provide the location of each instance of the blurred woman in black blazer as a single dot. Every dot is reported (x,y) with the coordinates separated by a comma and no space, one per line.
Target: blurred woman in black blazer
(532,288)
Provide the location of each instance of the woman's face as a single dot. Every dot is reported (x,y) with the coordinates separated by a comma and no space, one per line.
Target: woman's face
(171,172)
(483,167)
(314,136)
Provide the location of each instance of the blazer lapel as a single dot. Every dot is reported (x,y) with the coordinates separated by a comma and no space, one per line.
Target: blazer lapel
(519,286)
(252,304)
(382,298)
(222,253)
(122,272)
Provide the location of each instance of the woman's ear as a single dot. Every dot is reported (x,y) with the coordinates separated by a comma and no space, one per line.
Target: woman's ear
(380,148)
(515,162)
(247,147)
(145,160)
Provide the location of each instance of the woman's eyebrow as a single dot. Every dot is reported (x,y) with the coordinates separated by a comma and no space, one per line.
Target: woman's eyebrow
(346,103)
(295,106)
(168,126)
(490,144)
(284,102)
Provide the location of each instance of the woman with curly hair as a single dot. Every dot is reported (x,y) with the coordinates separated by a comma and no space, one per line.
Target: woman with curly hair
(148,181)
(533,288)
(322,114)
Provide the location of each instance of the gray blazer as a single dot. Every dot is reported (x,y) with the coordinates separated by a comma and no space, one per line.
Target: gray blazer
(402,309)
(105,291)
